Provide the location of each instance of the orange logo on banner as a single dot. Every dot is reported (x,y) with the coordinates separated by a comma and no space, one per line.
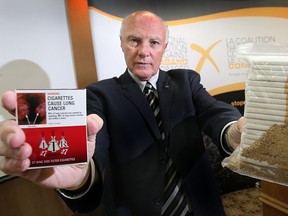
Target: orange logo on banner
(205,55)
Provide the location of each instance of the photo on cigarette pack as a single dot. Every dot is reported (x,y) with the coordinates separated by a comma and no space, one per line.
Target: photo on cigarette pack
(54,122)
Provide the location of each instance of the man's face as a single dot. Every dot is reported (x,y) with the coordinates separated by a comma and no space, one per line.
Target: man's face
(143,42)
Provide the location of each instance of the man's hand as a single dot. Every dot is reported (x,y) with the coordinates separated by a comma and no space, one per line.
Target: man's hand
(15,153)
(234,133)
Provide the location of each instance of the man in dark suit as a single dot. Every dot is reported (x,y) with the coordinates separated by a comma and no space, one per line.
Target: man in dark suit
(127,172)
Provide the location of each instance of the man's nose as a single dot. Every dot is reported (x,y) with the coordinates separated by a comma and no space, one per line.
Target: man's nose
(144,50)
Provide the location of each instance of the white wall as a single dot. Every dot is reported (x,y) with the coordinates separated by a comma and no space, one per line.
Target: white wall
(35,49)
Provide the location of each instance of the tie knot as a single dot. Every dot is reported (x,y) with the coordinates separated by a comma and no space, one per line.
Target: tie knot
(148,85)
(148,88)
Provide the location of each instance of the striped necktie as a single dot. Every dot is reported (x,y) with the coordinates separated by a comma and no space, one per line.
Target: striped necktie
(174,202)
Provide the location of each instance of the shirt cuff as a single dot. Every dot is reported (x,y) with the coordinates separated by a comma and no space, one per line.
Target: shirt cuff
(223,139)
(85,187)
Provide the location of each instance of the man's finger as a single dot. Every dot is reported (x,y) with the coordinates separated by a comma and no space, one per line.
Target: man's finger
(14,167)
(94,124)
(9,101)
(11,134)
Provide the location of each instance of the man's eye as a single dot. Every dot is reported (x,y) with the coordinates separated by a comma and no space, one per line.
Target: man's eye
(133,42)
(155,43)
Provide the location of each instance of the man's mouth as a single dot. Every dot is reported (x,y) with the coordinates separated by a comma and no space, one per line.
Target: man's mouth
(143,63)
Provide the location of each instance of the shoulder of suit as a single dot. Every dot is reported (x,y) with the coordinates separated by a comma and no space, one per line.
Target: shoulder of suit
(103,83)
(181,72)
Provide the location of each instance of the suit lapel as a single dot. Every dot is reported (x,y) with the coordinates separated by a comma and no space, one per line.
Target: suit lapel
(134,94)
(165,90)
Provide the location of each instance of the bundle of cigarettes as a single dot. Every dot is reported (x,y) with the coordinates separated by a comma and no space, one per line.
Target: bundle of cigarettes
(263,151)
(265,97)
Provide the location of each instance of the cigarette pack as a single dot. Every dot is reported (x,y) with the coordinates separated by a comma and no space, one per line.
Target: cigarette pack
(54,122)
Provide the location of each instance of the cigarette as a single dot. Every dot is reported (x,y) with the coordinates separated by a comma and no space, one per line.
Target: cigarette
(265,101)
(260,77)
(261,122)
(251,137)
(37,114)
(267,84)
(270,106)
(268,67)
(269,72)
(270,60)
(279,119)
(252,132)
(268,89)
(266,111)
(246,143)
(266,95)
(257,127)
(27,118)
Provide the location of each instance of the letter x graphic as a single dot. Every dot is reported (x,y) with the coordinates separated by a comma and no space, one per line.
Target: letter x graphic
(205,55)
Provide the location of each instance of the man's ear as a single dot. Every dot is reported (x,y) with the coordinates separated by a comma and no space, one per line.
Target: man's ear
(121,43)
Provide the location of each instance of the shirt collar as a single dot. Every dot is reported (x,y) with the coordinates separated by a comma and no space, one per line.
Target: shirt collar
(141,83)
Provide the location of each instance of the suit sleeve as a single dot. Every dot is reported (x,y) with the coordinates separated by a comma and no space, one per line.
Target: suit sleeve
(214,115)
(92,198)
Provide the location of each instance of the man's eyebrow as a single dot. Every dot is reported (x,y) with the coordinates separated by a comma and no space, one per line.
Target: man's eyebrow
(133,36)
(156,38)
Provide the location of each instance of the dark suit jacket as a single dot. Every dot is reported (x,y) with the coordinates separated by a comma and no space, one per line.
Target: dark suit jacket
(129,151)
